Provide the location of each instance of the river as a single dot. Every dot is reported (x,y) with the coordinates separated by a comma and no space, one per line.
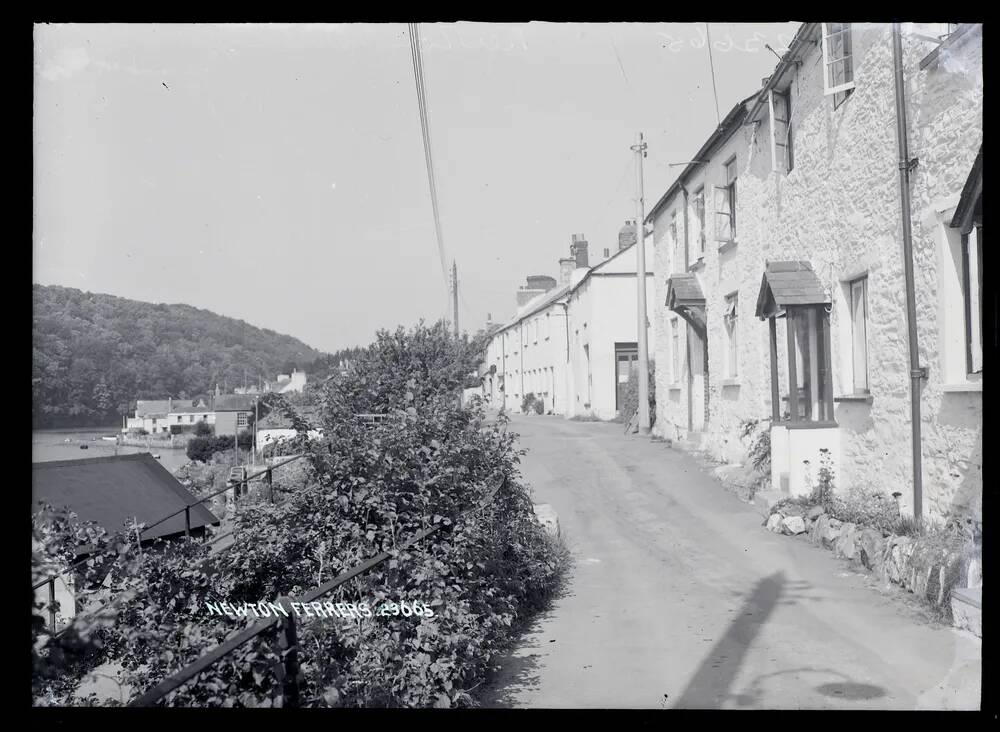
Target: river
(64,444)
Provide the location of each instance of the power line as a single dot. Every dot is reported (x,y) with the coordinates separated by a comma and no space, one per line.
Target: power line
(418,74)
(711,63)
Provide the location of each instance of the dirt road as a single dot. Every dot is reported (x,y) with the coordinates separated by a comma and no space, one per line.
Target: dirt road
(680,598)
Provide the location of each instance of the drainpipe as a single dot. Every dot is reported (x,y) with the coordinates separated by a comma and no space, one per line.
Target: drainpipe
(916,371)
(687,337)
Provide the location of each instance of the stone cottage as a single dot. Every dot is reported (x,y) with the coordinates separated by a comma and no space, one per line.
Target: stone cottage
(785,236)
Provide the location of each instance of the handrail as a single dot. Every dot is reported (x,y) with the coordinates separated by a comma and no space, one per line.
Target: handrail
(193,669)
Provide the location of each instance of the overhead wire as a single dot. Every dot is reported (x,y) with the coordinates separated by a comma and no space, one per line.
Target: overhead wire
(418,74)
(711,63)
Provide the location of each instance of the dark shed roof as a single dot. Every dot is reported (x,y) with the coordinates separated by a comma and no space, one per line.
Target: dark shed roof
(684,289)
(113,490)
(789,283)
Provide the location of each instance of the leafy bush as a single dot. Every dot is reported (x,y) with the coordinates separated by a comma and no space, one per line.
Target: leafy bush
(363,491)
(203,448)
(203,429)
(531,403)
(630,399)
(758,433)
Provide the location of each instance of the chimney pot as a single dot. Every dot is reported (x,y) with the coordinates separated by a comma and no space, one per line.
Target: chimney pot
(579,249)
(626,235)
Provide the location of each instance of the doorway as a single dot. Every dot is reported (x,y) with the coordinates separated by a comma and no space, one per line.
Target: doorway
(626,369)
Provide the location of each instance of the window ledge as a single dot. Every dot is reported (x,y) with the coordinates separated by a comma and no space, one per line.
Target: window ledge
(807,425)
(727,246)
(854,398)
(963,386)
(674,387)
(730,382)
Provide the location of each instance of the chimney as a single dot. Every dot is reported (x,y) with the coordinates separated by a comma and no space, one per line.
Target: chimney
(607,253)
(541,282)
(579,250)
(626,235)
(170,404)
(566,265)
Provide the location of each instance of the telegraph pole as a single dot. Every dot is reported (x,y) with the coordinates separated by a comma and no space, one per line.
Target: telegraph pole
(454,293)
(640,252)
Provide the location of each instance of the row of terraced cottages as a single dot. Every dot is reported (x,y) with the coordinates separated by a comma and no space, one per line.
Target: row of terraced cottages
(780,268)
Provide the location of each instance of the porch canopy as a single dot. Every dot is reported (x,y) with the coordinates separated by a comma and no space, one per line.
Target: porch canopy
(684,297)
(793,291)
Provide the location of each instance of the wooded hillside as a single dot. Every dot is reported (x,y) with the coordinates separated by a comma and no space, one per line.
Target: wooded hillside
(93,355)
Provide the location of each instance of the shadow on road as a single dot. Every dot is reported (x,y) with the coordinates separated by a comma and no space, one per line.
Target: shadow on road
(711,685)
(712,682)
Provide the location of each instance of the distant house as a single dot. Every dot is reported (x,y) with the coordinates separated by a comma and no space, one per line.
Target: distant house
(274,428)
(232,413)
(156,416)
(286,384)
(114,492)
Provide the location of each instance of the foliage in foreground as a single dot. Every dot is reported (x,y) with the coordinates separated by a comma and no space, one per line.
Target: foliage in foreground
(367,490)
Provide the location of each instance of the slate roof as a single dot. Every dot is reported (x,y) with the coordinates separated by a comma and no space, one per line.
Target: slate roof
(684,288)
(234,403)
(790,283)
(112,490)
(149,407)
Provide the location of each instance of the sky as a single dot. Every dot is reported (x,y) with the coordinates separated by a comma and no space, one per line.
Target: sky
(275,172)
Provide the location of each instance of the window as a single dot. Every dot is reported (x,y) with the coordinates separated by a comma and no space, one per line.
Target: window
(241,419)
(859,334)
(190,418)
(780,104)
(725,205)
(730,315)
(675,350)
(699,218)
(972,287)
(838,61)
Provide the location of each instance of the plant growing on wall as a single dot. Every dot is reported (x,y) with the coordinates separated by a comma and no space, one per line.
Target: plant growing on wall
(823,490)
(757,433)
